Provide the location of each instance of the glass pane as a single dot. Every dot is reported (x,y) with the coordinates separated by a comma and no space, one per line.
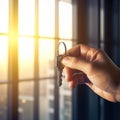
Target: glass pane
(26,101)
(65,102)
(26,58)
(65,20)
(46,57)
(26,16)
(46,99)
(65,94)
(3,58)
(3,102)
(3,16)
(47,18)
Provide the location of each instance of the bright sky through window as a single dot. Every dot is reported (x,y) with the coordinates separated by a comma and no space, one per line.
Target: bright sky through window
(26,17)
(26,26)
(4,16)
(34,65)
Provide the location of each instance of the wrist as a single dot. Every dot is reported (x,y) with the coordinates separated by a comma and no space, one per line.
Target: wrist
(118,95)
(118,87)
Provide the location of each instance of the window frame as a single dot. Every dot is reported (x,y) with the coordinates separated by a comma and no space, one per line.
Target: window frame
(12,112)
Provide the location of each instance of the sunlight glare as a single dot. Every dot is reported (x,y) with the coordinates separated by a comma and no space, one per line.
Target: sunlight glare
(3,58)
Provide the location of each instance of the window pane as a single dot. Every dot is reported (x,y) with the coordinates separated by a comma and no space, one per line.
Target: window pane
(65,102)
(3,58)
(46,57)
(46,99)
(3,16)
(26,16)
(26,101)
(3,102)
(47,18)
(26,58)
(65,20)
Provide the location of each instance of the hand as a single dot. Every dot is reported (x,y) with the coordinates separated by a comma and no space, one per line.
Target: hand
(96,70)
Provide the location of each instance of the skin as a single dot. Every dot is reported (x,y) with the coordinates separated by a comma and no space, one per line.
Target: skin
(95,69)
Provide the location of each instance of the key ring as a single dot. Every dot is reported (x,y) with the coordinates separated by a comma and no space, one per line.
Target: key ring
(60,56)
(79,76)
(65,48)
(59,65)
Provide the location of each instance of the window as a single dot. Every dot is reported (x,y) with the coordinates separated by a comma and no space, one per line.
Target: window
(29,33)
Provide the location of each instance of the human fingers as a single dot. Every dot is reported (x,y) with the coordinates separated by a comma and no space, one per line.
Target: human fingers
(81,57)
(82,51)
(74,77)
(68,73)
(77,63)
(69,77)
(78,79)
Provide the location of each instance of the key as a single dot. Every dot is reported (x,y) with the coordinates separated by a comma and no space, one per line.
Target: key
(60,66)
(79,76)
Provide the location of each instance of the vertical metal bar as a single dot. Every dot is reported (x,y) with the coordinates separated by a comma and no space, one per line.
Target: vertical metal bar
(56,89)
(108,26)
(99,21)
(119,32)
(36,63)
(13,61)
(108,46)
(81,21)
(99,46)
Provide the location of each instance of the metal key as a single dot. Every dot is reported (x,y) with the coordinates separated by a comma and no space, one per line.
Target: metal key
(60,66)
(79,75)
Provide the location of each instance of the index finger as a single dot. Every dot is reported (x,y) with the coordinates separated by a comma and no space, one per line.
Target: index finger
(77,50)
(82,51)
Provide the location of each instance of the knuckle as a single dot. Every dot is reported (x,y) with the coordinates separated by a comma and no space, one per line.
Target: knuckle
(74,61)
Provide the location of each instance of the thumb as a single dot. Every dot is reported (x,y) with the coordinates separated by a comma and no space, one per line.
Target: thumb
(76,63)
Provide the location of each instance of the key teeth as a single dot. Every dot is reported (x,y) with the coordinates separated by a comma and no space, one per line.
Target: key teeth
(60,83)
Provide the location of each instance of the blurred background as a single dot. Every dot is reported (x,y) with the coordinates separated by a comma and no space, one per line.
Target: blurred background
(29,34)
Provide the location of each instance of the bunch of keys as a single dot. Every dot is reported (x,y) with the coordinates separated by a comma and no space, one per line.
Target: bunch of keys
(59,65)
(79,76)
